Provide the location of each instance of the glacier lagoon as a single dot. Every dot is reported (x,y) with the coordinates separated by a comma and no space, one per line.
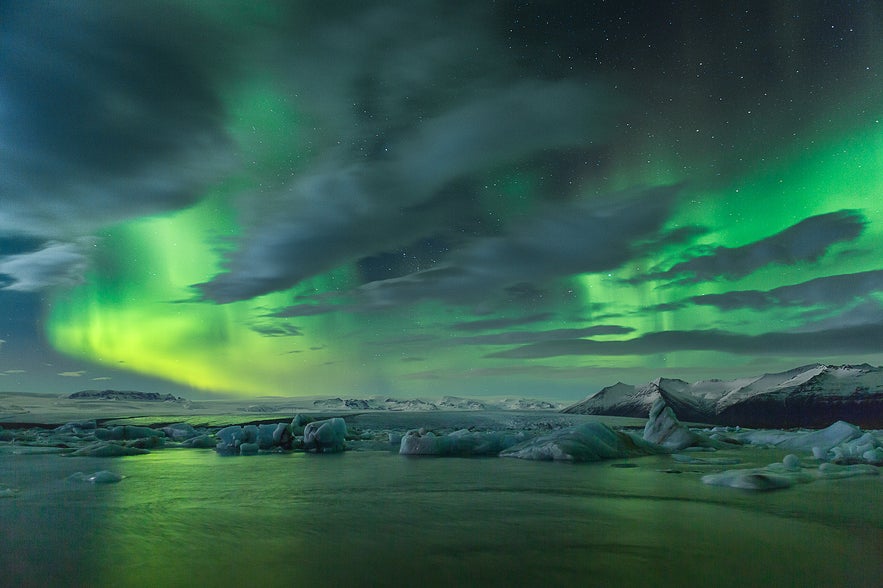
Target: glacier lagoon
(184,517)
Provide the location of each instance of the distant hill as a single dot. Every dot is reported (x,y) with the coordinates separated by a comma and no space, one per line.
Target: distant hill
(130,395)
(813,395)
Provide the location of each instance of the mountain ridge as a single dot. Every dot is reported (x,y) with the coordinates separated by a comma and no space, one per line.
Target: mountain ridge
(813,395)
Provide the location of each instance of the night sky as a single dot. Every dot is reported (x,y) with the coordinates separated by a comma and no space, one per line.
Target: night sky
(424,198)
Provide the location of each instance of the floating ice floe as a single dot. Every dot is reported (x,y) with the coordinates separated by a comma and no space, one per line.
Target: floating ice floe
(591,441)
(180,431)
(77,427)
(784,474)
(841,441)
(99,477)
(461,443)
(689,459)
(127,433)
(834,471)
(105,449)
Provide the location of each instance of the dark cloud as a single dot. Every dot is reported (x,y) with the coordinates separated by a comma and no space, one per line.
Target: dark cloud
(277,330)
(107,112)
(859,313)
(345,207)
(672,237)
(520,337)
(829,290)
(501,323)
(570,239)
(858,339)
(308,310)
(807,240)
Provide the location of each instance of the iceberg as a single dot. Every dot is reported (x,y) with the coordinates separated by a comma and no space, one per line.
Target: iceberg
(461,443)
(753,479)
(663,428)
(326,436)
(587,442)
(180,431)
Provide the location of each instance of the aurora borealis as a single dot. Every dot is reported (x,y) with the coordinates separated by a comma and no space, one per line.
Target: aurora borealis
(427,198)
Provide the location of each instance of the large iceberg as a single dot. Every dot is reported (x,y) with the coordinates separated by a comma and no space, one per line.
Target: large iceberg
(461,443)
(587,442)
(663,428)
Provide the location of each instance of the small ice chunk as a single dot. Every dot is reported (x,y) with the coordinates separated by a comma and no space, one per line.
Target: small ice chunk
(99,477)
(754,479)
(873,455)
(200,442)
(76,427)
(180,431)
(230,434)
(250,434)
(249,448)
(299,422)
(791,462)
(832,471)
(147,443)
(422,443)
(264,437)
(282,435)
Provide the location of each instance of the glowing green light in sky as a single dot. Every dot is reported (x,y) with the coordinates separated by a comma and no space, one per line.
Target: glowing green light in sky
(134,312)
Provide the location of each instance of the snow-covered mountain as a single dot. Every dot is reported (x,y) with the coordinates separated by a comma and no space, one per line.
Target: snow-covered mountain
(809,396)
(420,405)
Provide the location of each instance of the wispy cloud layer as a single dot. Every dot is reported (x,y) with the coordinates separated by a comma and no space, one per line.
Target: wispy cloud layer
(56,264)
(807,240)
(834,341)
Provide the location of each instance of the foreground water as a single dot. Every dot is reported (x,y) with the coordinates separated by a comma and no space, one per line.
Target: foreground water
(373,518)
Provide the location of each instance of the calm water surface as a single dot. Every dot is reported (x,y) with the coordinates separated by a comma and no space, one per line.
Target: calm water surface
(192,518)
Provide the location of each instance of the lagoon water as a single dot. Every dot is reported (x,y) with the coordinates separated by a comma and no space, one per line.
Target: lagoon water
(374,518)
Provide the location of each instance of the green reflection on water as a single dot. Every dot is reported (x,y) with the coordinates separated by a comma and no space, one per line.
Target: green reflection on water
(188,516)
